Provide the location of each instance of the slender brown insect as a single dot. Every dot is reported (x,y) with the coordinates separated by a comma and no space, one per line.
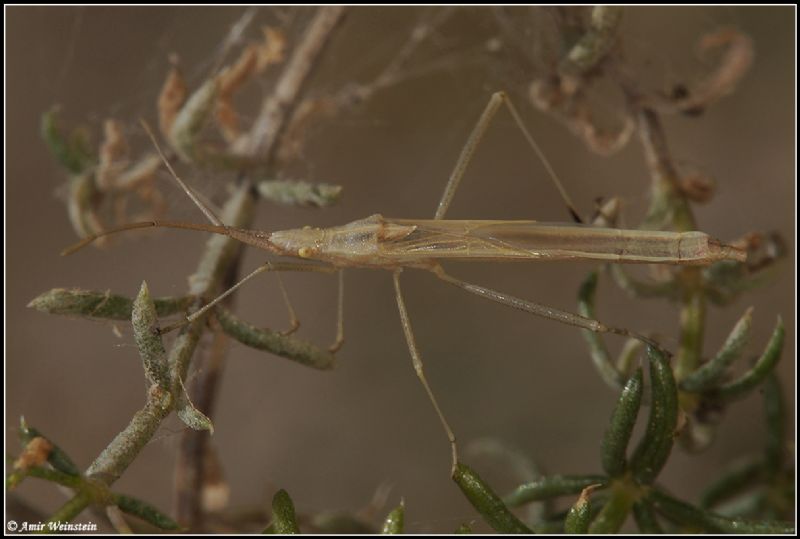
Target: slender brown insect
(393,244)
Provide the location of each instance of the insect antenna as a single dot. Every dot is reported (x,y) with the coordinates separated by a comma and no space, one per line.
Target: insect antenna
(186,189)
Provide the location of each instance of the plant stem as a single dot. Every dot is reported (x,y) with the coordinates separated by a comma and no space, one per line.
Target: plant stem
(668,204)
(670,207)
(125,447)
(262,143)
(70,510)
(276,110)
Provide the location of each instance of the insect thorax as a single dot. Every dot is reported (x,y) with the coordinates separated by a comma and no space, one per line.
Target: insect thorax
(354,244)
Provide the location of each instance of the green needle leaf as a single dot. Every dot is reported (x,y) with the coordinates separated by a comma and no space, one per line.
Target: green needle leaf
(71,509)
(686,514)
(486,502)
(284,520)
(394,520)
(752,378)
(271,341)
(614,512)
(776,418)
(73,153)
(598,40)
(645,517)
(656,445)
(615,441)
(644,289)
(727,280)
(710,374)
(145,332)
(464,529)
(580,514)
(144,511)
(191,416)
(731,483)
(628,356)
(551,487)
(299,193)
(54,476)
(104,305)
(597,346)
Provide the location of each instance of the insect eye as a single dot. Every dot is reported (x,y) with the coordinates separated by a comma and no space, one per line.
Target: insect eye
(305,252)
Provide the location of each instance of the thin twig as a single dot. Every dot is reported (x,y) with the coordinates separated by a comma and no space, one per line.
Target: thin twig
(271,121)
(667,206)
(189,472)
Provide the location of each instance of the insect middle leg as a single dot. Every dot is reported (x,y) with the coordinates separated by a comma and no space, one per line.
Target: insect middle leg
(497,99)
(416,360)
(337,344)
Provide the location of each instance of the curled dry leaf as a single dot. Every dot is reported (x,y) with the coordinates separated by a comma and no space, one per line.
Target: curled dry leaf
(763,249)
(171,99)
(83,199)
(117,176)
(113,151)
(272,49)
(230,80)
(574,111)
(733,64)
(140,179)
(140,173)
(253,60)
(101,192)
(35,454)
(601,141)
(697,187)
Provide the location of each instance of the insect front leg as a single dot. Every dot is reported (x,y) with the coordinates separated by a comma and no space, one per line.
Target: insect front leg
(268,266)
(294,323)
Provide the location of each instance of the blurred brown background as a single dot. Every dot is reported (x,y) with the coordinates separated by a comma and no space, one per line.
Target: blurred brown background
(331,438)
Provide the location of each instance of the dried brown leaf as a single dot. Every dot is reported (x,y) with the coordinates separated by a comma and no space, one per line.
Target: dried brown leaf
(574,111)
(732,66)
(697,187)
(113,151)
(35,453)
(233,77)
(171,99)
(254,59)
(230,80)
(272,49)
